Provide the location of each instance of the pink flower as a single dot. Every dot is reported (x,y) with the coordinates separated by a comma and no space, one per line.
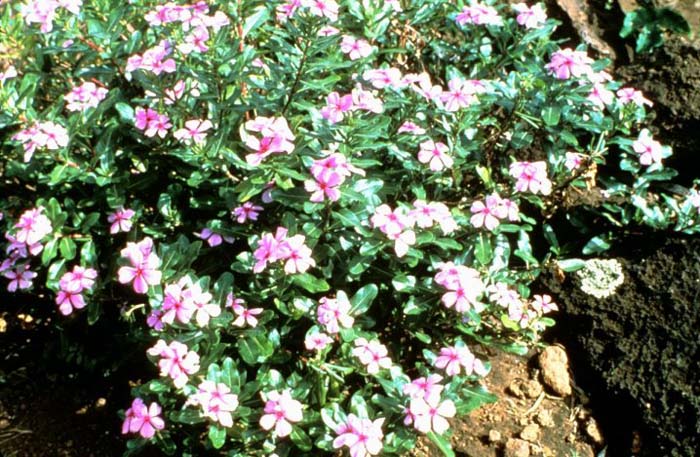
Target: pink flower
(630,95)
(32,226)
(276,138)
(176,361)
(78,280)
(502,295)
(531,176)
(194,131)
(488,215)
(427,214)
(158,126)
(573,161)
(287,10)
(402,241)
(212,238)
(195,41)
(422,85)
(328,30)
(567,63)
(544,304)
(155,320)
(281,410)
(424,387)
(243,315)
(412,128)
(20,278)
(121,220)
(464,287)
(354,47)
(454,358)
(317,341)
(130,414)
(144,266)
(47,135)
(649,150)
(461,94)
(372,354)
(600,95)
(247,211)
(530,17)
(366,101)
(297,255)
(336,107)
(479,14)
(201,303)
(321,8)
(269,249)
(175,304)
(435,154)
(430,415)
(144,420)
(324,187)
(67,301)
(217,402)
(363,437)
(85,96)
(334,313)
(384,77)
(391,222)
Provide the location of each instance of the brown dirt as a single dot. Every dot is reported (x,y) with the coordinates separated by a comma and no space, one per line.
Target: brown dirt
(547,425)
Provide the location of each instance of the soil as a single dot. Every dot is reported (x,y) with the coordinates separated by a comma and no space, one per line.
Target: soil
(637,351)
(526,417)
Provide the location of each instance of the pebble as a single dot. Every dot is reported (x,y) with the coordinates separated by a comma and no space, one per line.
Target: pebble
(555,370)
(516,448)
(494,436)
(544,418)
(593,431)
(531,433)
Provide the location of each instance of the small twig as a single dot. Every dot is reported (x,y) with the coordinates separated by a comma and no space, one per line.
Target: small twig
(535,405)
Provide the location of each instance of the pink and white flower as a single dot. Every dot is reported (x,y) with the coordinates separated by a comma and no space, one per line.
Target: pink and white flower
(372,354)
(455,358)
(530,17)
(121,220)
(280,412)
(247,211)
(567,63)
(176,361)
(363,437)
(356,48)
(217,402)
(142,419)
(531,176)
(649,150)
(430,415)
(435,154)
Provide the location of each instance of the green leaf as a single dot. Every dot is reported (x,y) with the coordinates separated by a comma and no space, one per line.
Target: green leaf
(126,112)
(474,397)
(188,416)
(50,251)
(255,20)
(311,283)
(301,439)
(363,298)
(596,245)
(442,444)
(570,265)
(68,248)
(255,348)
(551,115)
(217,435)
(483,250)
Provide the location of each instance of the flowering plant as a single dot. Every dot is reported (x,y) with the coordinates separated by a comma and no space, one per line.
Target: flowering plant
(321,211)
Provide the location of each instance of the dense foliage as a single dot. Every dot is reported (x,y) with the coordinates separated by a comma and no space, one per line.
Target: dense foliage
(316,212)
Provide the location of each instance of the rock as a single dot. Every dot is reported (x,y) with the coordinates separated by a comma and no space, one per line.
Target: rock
(593,431)
(515,389)
(531,433)
(532,389)
(544,418)
(494,436)
(516,448)
(555,370)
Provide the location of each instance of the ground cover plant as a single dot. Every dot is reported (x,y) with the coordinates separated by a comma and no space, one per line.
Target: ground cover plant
(312,213)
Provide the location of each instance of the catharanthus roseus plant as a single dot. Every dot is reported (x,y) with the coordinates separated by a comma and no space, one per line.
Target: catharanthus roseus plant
(319,212)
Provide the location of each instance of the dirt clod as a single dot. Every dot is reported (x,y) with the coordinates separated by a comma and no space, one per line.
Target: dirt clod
(544,418)
(531,433)
(555,370)
(516,448)
(494,436)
